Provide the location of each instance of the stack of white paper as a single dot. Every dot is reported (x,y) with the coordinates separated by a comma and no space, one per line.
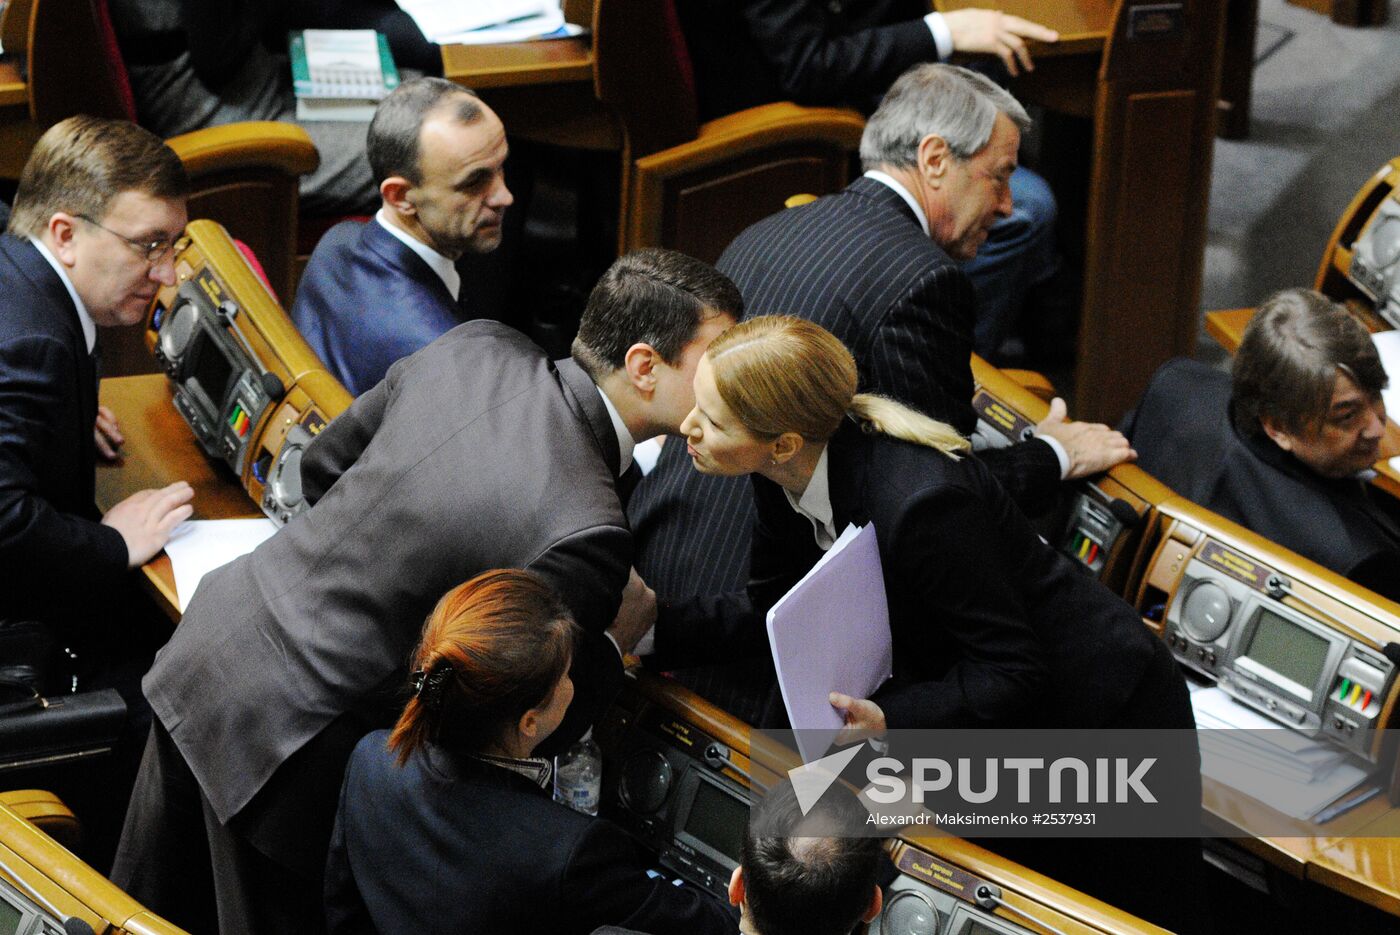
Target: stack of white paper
(199,546)
(1280,767)
(480,21)
(831,632)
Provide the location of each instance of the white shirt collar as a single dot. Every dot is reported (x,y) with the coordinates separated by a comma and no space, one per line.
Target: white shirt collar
(445,268)
(902,192)
(625,442)
(816,504)
(84,319)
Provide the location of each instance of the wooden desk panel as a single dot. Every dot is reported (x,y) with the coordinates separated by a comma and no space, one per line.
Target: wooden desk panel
(552,61)
(160,449)
(542,91)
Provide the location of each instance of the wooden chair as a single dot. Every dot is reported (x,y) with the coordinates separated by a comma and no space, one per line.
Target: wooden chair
(47,873)
(694,186)
(245,175)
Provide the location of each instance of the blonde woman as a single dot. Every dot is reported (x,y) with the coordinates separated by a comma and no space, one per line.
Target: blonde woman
(991,626)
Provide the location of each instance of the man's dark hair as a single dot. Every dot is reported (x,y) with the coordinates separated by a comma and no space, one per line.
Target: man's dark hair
(393,141)
(81,164)
(799,877)
(1288,361)
(658,297)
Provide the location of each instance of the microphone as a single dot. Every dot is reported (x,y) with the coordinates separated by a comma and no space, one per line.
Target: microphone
(76,926)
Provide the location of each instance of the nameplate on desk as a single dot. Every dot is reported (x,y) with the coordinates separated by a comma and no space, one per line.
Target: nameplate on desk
(946,877)
(1156,21)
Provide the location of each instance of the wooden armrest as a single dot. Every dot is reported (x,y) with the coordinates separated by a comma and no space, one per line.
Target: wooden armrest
(754,129)
(70,885)
(251,144)
(46,812)
(1033,381)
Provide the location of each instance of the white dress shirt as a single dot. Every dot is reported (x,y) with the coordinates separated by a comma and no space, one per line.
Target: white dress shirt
(815,504)
(445,268)
(84,319)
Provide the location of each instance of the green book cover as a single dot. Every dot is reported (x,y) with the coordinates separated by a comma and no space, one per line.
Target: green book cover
(310,81)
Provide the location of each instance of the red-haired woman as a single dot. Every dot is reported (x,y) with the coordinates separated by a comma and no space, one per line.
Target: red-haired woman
(446,824)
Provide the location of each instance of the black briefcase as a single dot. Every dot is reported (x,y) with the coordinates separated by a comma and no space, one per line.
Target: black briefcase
(38,733)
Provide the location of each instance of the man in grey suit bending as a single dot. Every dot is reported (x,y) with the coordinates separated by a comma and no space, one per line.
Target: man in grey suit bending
(475,453)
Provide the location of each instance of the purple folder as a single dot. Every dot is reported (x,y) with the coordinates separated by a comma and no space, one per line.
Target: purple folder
(831,632)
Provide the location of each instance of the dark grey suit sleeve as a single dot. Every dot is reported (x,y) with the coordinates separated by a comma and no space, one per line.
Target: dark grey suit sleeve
(815,65)
(331,453)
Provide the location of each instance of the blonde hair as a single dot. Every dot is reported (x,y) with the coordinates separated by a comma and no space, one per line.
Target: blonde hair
(782,374)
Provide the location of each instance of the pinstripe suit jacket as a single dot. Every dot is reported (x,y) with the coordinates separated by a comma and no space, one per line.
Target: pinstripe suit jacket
(858,264)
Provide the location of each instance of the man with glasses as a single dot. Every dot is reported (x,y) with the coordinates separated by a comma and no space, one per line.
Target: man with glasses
(89,242)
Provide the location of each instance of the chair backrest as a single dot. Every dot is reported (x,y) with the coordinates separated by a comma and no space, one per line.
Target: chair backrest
(642,71)
(75,66)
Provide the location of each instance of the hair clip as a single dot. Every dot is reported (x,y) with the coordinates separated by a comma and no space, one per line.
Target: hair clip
(429,685)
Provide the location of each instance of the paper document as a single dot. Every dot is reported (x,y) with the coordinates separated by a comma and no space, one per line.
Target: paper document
(831,632)
(1283,768)
(1388,346)
(442,20)
(199,546)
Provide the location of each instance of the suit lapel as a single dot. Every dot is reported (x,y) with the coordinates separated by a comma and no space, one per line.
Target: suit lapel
(397,254)
(30,263)
(583,398)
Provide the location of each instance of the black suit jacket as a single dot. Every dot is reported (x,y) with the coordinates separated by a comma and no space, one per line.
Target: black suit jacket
(1184,436)
(991,626)
(818,52)
(475,453)
(52,545)
(858,264)
(448,844)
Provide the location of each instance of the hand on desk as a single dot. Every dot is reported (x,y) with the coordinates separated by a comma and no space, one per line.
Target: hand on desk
(636,616)
(108,435)
(1092,446)
(996,33)
(146,518)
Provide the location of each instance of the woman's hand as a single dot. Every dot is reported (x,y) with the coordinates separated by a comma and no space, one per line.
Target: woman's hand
(864,718)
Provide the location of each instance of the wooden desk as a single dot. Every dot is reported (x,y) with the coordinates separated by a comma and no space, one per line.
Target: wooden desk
(1227,328)
(1149,84)
(160,449)
(542,91)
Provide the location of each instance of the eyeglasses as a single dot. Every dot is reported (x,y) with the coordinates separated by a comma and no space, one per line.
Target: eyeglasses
(154,251)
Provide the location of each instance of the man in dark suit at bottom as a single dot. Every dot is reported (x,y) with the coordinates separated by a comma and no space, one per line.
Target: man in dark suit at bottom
(876,264)
(816,872)
(475,453)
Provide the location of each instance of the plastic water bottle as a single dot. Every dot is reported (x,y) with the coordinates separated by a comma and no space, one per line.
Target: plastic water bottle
(578,776)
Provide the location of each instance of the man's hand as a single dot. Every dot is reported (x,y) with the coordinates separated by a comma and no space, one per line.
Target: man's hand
(146,518)
(636,616)
(864,718)
(996,33)
(108,435)
(1092,446)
